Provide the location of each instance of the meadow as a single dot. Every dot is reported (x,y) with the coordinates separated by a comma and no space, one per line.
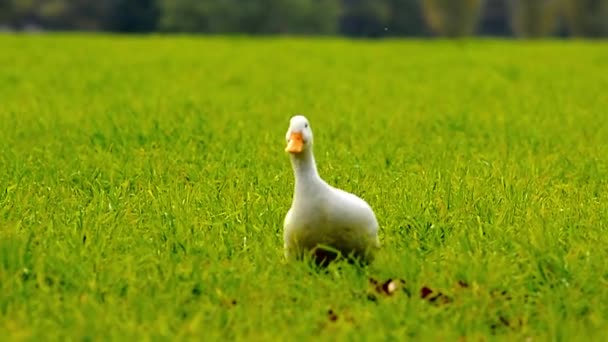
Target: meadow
(144,182)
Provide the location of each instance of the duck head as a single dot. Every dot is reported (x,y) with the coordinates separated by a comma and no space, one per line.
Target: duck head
(299,135)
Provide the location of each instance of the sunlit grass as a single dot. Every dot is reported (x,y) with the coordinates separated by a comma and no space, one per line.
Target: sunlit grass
(144,183)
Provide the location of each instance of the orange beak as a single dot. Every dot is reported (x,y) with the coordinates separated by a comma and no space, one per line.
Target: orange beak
(295,143)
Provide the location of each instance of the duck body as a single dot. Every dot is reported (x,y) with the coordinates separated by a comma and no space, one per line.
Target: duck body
(323,216)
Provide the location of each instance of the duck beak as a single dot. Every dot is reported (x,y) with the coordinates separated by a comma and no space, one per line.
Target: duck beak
(295,143)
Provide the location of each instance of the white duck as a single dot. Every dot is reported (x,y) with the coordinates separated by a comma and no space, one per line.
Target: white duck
(322,216)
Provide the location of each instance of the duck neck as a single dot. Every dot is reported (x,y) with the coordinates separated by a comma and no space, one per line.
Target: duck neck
(305,172)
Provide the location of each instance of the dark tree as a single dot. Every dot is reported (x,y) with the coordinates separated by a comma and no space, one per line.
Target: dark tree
(132,15)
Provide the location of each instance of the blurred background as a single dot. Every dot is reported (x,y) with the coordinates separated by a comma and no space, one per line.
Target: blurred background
(354,18)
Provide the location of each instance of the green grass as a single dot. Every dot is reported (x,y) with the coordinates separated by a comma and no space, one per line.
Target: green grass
(143,185)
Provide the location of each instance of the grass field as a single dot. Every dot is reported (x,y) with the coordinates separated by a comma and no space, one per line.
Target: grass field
(143,185)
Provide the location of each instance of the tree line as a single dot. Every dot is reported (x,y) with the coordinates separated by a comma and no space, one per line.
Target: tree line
(358,18)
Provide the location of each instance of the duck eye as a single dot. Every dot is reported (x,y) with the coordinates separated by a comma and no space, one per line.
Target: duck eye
(306,125)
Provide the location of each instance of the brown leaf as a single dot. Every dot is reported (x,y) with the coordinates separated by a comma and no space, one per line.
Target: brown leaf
(332,315)
(498,293)
(389,287)
(441,299)
(425,292)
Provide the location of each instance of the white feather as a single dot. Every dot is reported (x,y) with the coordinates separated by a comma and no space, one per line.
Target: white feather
(321,214)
